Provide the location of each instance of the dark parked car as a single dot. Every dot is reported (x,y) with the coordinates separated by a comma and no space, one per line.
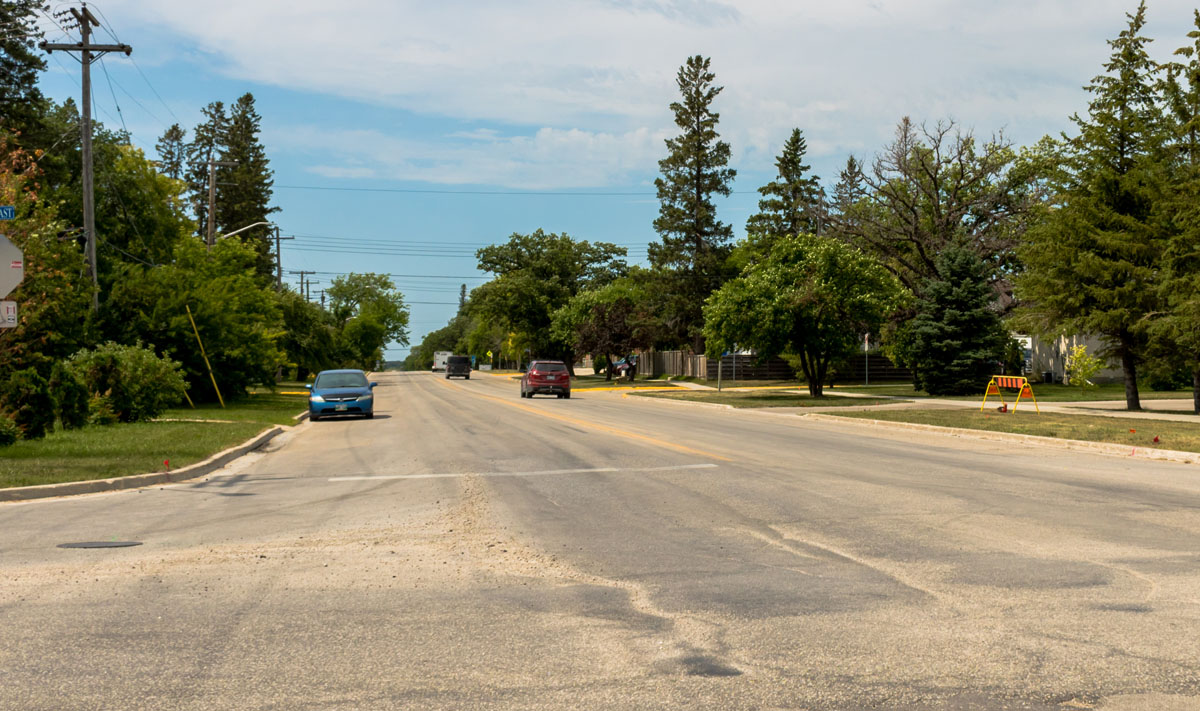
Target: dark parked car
(458,365)
(546,376)
(341,392)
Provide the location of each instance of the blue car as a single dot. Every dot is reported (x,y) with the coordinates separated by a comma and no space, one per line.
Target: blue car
(341,392)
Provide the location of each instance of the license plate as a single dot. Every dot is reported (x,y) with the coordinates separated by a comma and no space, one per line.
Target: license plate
(341,406)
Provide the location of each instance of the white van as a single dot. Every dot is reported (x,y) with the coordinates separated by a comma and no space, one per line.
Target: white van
(439,360)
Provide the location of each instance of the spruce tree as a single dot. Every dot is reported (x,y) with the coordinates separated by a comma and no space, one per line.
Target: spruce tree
(244,190)
(1175,330)
(957,335)
(1093,265)
(20,64)
(695,246)
(208,142)
(791,204)
(172,152)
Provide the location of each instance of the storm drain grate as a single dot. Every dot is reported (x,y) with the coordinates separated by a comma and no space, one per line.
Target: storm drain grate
(100,544)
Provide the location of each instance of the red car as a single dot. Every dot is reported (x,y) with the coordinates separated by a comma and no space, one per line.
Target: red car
(546,376)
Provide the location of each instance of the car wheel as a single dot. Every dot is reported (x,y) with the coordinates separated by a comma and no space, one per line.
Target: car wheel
(447,376)
(567,395)
(314,418)
(370,415)
(468,377)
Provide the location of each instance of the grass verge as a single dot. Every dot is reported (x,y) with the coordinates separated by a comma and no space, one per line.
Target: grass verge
(1043,393)
(137,448)
(1180,436)
(591,382)
(769,398)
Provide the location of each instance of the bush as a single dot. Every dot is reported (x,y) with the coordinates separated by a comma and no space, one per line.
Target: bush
(27,396)
(135,383)
(70,397)
(9,432)
(100,411)
(599,363)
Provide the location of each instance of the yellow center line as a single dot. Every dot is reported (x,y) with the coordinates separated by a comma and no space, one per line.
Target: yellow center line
(587,424)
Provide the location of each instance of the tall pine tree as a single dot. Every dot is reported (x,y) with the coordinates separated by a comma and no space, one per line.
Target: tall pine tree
(20,64)
(244,191)
(1093,264)
(1175,331)
(172,152)
(695,246)
(208,143)
(791,204)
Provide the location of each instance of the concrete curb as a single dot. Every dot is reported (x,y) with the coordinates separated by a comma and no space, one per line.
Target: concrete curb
(134,481)
(1120,450)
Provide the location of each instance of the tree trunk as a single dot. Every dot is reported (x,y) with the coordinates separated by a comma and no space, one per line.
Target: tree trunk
(822,369)
(814,385)
(1129,366)
(1196,388)
(608,367)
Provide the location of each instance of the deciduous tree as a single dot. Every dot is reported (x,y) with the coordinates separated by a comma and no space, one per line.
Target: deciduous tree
(812,296)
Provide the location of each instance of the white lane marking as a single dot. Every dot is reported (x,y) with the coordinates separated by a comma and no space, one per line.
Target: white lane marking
(546,472)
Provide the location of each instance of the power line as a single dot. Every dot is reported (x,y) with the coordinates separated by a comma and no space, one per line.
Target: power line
(533,193)
(112,33)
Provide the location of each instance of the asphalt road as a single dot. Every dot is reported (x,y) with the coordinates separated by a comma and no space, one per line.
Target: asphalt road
(468,549)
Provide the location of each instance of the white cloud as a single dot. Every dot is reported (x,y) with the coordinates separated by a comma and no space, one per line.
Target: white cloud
(577,91)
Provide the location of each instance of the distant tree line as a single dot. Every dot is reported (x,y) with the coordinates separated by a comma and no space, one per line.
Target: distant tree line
(939,246)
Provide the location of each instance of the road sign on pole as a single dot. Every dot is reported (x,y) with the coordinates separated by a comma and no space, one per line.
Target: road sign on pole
(8,314)
(12,266)
(8,212)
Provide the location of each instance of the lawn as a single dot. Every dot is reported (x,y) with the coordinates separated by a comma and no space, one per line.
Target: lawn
(1183,436)
(769,398)
(1043,393)
(593,382)
(96,452)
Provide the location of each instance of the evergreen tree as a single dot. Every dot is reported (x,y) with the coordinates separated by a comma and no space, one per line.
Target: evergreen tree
(791,204)
(20,64)
(1175,332)
(957,337)
(695,245)
(208,143)
(172,152)
(1093,265)
(244,190)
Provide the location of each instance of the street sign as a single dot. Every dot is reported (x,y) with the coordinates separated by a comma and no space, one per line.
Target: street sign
(12,266)
(8,212)
(8,314)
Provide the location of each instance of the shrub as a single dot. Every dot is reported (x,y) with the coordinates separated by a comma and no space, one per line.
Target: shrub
(1081,367)
(599,363)
(9,432)
(136,384)
(27,396)
(100,411)
(70,397)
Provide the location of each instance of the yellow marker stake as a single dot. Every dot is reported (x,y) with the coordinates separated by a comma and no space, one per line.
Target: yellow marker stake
(205,356)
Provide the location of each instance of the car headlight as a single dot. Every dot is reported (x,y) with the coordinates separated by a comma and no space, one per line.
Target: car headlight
(316,398)
(365,398)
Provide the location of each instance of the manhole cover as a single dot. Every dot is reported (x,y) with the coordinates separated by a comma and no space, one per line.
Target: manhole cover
(100,544)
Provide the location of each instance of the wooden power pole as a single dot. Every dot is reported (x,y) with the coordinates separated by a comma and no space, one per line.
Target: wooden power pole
(88,53)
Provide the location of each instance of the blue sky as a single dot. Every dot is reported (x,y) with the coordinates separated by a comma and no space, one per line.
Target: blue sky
(429,130)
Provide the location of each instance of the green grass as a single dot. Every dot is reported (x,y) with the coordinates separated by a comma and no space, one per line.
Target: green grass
(592,382)
(96,452)
(769,398)
(261,405)
(1182,436)
(1043,393)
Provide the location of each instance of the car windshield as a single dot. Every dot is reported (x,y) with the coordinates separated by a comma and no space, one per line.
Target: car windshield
(549,367)
(341,380)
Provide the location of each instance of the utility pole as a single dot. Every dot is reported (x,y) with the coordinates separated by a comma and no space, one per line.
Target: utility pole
(303,285)
(212,198)
(279,260)
(88,53)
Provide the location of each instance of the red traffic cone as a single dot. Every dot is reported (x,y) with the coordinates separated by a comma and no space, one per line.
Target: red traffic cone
(1156,439)
(1002,408)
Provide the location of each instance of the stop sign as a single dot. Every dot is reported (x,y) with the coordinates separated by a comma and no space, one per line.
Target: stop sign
(12,266)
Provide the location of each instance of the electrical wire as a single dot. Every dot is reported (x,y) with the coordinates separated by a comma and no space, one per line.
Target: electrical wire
(532,193)
(114,97)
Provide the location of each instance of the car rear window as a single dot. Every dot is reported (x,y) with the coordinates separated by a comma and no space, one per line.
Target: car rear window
(549,367)
(459,360)
(340,380)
